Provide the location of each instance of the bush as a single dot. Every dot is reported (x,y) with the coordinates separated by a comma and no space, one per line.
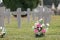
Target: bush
(24,4)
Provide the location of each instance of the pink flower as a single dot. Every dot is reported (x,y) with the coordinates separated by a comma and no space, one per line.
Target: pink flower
(38,25)
(35,30)
(43,31)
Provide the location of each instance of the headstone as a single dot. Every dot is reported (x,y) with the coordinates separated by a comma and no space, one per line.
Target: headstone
(40,13)
(34,14)
(2,10)
(28,15)
(47,15)
(8,15)
(19,17)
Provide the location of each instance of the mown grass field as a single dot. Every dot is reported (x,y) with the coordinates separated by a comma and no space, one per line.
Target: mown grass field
(25,32)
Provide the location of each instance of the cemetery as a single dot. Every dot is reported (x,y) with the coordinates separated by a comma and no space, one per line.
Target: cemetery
(41,23)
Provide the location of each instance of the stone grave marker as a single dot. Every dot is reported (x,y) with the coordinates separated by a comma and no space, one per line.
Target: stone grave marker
(19,17)
(8,15)
(2,11)
(28,15)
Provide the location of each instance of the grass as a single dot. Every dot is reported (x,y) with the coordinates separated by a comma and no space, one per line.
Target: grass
(25,32)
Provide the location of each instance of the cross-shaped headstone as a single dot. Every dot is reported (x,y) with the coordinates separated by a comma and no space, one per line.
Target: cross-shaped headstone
(28,14)
(19,17)
(8,15)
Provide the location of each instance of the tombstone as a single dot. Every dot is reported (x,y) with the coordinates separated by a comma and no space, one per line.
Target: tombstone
(19,17)
(28,15)
(2,26)
(2,10)
(34,14)
(47,15)
(39,11)
(8,15)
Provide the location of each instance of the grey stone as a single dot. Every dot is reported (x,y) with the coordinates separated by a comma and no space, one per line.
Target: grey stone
(2,11)
(8,15)
(19,17)
(28,14)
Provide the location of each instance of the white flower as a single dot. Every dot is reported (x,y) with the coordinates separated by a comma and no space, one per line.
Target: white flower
(41,19)
(47,24)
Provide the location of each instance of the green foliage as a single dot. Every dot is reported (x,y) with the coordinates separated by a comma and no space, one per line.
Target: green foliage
(24,4)
(10,4)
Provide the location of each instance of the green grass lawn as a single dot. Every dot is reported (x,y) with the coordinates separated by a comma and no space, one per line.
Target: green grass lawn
(25,32)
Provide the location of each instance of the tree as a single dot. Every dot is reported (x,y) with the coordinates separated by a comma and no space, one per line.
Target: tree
(10,4)
(24,4)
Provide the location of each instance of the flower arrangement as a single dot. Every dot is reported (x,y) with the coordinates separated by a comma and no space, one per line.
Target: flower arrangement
(39,29)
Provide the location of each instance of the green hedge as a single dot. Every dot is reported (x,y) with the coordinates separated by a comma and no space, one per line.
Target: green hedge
(24,4)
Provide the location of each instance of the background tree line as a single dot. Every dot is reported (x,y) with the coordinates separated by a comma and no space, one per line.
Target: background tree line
(24,4)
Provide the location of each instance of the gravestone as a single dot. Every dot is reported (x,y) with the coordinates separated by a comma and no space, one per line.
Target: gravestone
(34,14)
(47,15)
(2,11)
(19,17)
(8,15)
(40,13)
(28,15)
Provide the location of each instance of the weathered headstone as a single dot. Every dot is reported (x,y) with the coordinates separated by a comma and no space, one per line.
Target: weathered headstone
(8,15)
(19,17)
(28,15)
